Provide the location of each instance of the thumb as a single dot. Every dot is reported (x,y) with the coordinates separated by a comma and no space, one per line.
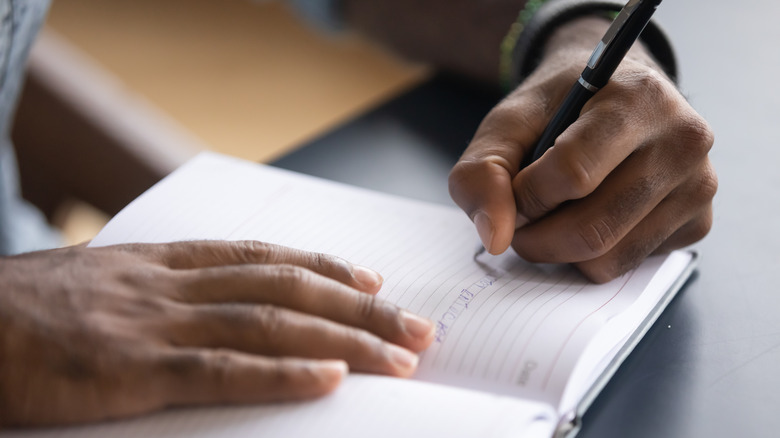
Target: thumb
(483,189)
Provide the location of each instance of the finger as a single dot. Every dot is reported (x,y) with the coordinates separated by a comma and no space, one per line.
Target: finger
(483,189)
(481,182)
(700,192)
(640,243)
(209,253)
(200,376)
(637,106)
(299,289)
(578,163)
(688,234)
(587,228)
(681,219)
(273,331)
(611,126)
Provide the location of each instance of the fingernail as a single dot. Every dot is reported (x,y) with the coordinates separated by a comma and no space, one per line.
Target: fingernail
(329,373)
(521,221)
(337,367)
(415,325)
(484,228)
(367,277)
(403,358)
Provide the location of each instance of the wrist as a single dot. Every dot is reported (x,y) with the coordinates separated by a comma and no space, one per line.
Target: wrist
(565,21)
(576,39)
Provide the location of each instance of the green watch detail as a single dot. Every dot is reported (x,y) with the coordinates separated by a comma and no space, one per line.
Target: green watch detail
(505,76)
(521,48)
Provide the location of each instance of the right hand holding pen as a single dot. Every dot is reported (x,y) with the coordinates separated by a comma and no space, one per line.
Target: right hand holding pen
(90,334)
(630,177)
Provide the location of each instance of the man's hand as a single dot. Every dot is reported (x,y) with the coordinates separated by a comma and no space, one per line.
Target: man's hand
(631,176)
(90,334)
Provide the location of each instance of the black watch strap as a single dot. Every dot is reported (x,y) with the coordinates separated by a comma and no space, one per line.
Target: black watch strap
(553,13)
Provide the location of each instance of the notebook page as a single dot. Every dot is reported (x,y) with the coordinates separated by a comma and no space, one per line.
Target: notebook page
(503,325)
(525,334)
(379,407)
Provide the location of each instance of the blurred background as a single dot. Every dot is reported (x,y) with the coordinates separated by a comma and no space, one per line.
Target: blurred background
(243,78)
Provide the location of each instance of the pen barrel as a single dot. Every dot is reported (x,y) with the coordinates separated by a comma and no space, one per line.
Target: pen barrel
(564,117)
(616,50)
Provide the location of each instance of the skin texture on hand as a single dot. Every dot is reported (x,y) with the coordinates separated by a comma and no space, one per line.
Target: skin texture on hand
(89,334)
(630,177)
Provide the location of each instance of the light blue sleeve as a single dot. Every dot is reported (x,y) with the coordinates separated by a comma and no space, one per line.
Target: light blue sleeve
(22,227)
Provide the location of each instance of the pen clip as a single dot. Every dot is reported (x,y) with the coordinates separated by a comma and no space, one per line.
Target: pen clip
(613,30)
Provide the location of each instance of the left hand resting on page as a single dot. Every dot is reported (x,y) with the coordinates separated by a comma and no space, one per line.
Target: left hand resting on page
(91,334)
(631,176)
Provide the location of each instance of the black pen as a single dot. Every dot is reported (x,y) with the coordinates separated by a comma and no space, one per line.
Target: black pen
(620,36)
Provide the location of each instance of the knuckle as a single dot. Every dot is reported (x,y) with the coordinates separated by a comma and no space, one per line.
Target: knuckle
(598,237)
(182,366)
(618,107)
(647,85)
(364,344)
(331,264)
(517,115)
(139,277)
(474,170)
(529,202)
(270,322)
(708,185)
(701,227)
(460,175)
(379,315)
(606,270)
(283,375)
(321,260)
(658,94)
(617,261)
(368,307)
(291,278)
(701,189)
(220,368)
(489,159)
(646,89)
(219,365)
(578,179)
(216,364)
(457,182)
(650,81)
(599,273)
(138,251)
(694,132)
(516,110)
(151,305)
(254,251)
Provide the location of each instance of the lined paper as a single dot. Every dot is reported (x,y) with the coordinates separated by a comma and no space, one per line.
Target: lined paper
(503,325)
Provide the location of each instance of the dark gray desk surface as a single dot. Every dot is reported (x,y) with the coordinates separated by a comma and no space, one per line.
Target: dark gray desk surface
(711,365)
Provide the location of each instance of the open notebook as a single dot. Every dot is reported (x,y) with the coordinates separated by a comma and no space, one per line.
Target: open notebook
(521,350)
